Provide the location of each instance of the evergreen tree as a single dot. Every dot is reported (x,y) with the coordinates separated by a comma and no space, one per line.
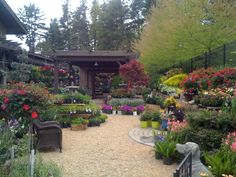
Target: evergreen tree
(53,38)
(113,34)
(137,8)
(66,25)
(93,32)
(80,29)
(32,18)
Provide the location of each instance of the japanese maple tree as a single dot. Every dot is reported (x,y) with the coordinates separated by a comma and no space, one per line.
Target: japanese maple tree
(133,73)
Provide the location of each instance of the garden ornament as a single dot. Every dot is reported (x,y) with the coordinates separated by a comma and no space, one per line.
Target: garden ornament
(197,166)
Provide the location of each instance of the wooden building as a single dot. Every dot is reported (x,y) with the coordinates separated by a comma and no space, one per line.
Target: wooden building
(9,24)
(91,63)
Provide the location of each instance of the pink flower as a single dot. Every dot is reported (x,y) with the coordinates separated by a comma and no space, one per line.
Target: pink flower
(6,100)
(3,107)
(20,92)
(233,147)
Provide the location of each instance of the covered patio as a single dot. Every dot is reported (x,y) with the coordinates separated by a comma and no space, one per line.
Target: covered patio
(90,64)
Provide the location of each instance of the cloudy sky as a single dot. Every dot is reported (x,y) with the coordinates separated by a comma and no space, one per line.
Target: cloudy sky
(51,9)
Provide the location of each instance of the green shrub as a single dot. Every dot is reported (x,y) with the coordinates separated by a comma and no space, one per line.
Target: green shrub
(146,116)
(207,139)
(121,93)
(156,116)
(209,100)
(129,102)
(20,168)
(116,80)
(222,162)
(6,142)
(175,80)
(79,121)
(171,73)
(158,100)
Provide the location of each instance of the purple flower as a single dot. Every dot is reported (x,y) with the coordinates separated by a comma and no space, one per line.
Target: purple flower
(126,108)
(140,108)
(107,107)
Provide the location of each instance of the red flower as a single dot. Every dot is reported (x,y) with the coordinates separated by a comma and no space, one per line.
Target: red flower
(34,115)
(26,107)
(6,100)
(20,92)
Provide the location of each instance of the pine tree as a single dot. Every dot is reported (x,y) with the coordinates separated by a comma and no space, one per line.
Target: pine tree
(113,34)
(53,38)
(32,17)
(80,29)
(66,25)
(93,32)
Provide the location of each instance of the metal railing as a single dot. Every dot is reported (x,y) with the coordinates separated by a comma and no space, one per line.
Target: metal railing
(185,167)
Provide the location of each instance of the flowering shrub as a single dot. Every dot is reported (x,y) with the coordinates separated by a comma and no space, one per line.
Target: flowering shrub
(203,79)
(231,141)
(22,104)
(176,125)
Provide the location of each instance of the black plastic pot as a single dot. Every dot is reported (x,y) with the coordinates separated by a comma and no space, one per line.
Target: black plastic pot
(158,155)
(167,160)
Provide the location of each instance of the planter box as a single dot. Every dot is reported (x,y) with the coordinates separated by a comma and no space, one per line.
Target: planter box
(114,112)
(79,127)
(135,113)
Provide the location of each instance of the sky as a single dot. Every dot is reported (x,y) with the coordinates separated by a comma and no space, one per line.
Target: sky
(51,9)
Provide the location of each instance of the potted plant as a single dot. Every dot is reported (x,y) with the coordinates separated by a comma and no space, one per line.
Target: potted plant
(145,117)
(158,154)
(126,110)
(156,116)
(135,113)
(140,109)
(167,149)
(107,109)
(79,124)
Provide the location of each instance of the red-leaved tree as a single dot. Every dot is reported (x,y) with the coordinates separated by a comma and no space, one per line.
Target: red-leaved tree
(133,73)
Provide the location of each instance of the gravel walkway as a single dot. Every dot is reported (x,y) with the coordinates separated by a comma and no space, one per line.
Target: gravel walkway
(107,151)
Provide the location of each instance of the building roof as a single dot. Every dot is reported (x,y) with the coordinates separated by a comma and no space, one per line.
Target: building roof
(9,19)
(39,59)
(101,55)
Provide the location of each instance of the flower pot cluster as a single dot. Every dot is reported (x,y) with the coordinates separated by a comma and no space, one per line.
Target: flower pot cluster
(123,109)
(150,119)
(207,79)
(78,124)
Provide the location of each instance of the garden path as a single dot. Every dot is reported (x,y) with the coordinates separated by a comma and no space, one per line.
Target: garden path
(107,151)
